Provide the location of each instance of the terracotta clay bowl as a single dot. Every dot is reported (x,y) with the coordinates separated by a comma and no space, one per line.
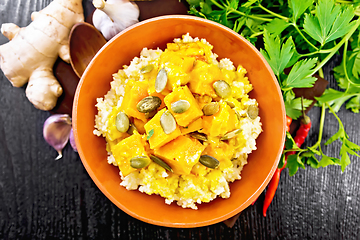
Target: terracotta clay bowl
(153,33)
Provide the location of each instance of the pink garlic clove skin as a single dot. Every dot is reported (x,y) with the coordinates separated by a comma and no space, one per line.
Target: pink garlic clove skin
(56,132)
(72,140)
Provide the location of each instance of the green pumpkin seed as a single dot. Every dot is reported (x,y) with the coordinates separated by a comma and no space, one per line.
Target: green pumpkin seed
(122,122)
(230,134)
(238,115)
(149,115)
(167,122)
(231,104)
(161,80)
(148,104)
(253,111)
(211,108)
(161,163)
(132,129)
(209,161)
(147,69)
(222,88)
(198,136)
(139,162)
(180,106)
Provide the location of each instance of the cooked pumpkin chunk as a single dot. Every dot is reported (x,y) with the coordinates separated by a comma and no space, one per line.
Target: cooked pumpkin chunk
(220,123)
(135,91)
(192,127)
(181,154)
(139,125)
(202,78)
(156,134)
(177,68)
(133,146)
(112,133)
(222,151)
(193,113)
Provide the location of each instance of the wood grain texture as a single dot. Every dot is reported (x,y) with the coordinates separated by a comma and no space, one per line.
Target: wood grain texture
(41,198)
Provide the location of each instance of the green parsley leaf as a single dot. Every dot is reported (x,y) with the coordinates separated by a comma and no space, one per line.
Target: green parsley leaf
(276,26)
(151,133)
(329,22)
(299,74)
(294,108)
(299,7)
(293,164)
(326,161)
(277,55)
(354,104)
(335,98)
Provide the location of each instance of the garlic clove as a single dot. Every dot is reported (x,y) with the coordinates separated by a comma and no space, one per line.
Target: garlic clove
(113,16)
(56,132)
(72,140)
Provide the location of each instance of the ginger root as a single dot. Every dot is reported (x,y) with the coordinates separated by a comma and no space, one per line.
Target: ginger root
(30,54)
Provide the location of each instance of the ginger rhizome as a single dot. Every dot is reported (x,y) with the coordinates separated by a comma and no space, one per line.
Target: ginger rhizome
(30,54)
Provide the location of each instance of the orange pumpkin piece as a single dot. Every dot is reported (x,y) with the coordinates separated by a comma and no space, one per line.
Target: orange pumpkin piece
(194,112)
(157,136)
(192,127)
(130,147)
(181,154)
(113,134)
(177,68)
(139,125)
(222,151)
(220,123)
(135,91)
(202,77)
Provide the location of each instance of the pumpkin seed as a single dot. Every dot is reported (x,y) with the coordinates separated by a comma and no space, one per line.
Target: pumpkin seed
(131,129)
(139,162)
(211,108)
(161,163)
(209,161)
(148,104)
(149,115)
(180,106)
(230,134)
(147,69)
(231,104)
(198,136)
(222,88)
(122,122)
(161,80)
(167,122)
(253,111)
(238,115)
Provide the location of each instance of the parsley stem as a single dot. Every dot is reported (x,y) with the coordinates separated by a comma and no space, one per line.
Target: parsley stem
(344,61)
(322,51)
(321,128)
(256,34)
(273,13)
(337,47)
(217,4)
(302,35)
(250,16)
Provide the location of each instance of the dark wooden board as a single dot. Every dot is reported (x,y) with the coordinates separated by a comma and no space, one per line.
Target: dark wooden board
(41,198)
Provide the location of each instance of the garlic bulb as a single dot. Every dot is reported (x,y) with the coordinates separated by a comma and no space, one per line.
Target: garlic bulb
(113,16)
(56,131)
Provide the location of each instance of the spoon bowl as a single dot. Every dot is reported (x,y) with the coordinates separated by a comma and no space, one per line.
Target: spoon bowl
(84,42)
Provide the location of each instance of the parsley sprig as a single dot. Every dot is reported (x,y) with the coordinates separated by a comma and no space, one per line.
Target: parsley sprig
(301,35)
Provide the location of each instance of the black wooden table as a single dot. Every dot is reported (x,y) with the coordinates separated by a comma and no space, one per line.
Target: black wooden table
(41,198)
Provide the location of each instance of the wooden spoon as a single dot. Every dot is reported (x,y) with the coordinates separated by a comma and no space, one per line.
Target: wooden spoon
(84,42)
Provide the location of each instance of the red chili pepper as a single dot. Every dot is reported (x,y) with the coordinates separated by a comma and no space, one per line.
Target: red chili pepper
(288,123)
(270,193)
(299,139)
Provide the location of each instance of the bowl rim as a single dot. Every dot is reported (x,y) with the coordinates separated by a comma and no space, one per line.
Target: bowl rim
(211,221)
